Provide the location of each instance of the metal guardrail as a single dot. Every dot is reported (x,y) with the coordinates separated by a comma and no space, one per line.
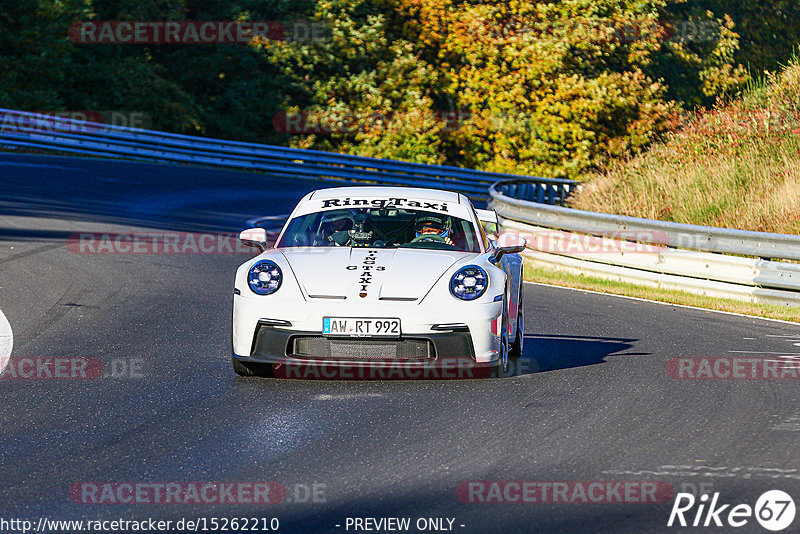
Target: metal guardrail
(57,134)
(512,202)
(694,258)
(651,252)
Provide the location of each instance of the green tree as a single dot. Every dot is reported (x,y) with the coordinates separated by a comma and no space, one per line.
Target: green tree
(129,77)
(363,88)
(35,53)
(554,88)
(768,30)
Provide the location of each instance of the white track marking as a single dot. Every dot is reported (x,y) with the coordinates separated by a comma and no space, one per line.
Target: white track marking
(670,304)
(346,396)
(764,352)
(792,424)
(715,472)
(6,341)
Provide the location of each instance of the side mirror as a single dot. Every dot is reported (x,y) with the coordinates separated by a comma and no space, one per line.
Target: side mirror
(508,243)
(254,237)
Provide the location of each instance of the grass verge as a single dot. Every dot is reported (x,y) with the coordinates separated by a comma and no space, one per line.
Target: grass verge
(735,166)
(768,311)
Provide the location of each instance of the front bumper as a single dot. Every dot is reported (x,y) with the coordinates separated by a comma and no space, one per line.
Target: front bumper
(273,344)
(271,331)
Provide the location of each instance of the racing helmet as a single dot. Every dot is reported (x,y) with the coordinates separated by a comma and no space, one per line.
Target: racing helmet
(336,221)
(430,225)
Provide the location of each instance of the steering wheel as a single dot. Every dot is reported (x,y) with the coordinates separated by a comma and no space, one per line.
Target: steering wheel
(429,238)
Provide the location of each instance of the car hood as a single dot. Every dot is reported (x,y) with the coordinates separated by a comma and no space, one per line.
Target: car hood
(367,274)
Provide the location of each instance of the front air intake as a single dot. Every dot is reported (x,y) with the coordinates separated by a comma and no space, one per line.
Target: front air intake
(361,349)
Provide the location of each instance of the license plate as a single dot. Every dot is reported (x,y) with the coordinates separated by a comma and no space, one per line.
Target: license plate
(359,327)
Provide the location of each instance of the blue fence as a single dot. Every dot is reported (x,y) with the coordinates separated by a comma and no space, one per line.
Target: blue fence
(24,130)
(536,190)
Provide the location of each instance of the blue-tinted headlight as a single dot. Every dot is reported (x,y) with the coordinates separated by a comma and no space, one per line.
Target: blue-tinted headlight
(469,283)
(265,277)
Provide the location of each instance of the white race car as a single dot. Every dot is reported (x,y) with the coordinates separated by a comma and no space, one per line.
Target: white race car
(369,275)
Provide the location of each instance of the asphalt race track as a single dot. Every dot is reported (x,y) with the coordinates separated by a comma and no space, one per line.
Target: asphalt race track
(591,400)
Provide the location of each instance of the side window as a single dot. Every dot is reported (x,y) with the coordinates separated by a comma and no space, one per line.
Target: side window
(484,239)
(463,237)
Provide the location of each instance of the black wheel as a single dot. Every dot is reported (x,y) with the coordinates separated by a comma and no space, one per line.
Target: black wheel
(250,369)
(519,338)
(501,369)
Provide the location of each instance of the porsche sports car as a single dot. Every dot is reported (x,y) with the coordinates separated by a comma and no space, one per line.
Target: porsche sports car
(361,275)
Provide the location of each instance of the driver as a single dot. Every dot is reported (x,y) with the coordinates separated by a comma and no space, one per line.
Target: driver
(430,225)
(336,228)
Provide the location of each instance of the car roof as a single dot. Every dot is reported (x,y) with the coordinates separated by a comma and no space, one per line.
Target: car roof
(384,191)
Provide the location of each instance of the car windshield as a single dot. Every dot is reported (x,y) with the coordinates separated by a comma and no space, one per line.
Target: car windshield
(381,228)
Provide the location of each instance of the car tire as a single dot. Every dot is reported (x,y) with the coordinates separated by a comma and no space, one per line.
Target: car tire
(250,369)
(501,369)
(516,347)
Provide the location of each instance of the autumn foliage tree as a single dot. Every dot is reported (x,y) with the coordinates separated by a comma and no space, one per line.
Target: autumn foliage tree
(547,87)
(559,87)
(550,88)
(362,87)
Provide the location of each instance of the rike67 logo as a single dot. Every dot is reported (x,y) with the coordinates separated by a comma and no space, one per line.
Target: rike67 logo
(774,510)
